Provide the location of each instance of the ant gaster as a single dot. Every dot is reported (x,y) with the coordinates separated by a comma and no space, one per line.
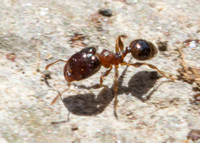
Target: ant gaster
(87,62)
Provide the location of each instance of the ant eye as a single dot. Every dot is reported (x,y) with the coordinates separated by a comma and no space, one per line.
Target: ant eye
(142,49)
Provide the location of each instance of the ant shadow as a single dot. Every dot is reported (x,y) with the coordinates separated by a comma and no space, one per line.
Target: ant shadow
(91,104)
(141,85)
(88,104)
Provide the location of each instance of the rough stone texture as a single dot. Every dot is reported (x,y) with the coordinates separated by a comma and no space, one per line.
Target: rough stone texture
(45,27)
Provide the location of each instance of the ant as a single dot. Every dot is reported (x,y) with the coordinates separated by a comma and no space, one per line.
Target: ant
(87,62)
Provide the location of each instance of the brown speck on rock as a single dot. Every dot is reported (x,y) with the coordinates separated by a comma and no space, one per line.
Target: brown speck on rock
(194,135)
(74,128)
(11,57)
(77,40)
(162,45)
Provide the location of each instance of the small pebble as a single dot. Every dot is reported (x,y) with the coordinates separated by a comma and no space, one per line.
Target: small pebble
(162,45)
(105,12)
(74,128)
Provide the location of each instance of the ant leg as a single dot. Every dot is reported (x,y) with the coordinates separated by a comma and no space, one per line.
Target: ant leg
(115,90)
(46,68)
(104,74)
(119,44)
(182,59)
(59,95)
(149,65)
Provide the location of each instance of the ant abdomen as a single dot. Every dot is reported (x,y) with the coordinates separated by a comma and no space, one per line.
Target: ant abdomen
(142,49)
(82,65)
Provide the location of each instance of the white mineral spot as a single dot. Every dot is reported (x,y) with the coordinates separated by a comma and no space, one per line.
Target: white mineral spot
(159,27)
(193,44)
(44,11)
(27,4)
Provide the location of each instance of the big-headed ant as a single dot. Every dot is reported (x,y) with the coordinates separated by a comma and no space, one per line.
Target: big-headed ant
(87,62)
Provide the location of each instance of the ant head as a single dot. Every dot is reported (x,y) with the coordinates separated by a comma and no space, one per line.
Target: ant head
(142,49)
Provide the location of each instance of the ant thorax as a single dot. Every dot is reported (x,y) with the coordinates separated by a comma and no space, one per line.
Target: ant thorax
(108,58)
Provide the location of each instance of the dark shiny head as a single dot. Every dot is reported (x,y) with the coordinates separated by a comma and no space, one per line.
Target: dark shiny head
(142,49)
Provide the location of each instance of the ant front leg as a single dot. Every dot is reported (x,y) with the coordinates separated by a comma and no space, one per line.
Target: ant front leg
(115,90)
(149,65)
(104,75)
(47,67)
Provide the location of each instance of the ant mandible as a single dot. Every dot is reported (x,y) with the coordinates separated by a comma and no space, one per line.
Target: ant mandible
(87,62)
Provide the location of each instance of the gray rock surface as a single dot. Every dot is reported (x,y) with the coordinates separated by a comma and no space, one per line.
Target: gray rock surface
(38,32)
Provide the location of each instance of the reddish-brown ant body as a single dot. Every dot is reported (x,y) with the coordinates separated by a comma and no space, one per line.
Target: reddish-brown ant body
(87,62)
